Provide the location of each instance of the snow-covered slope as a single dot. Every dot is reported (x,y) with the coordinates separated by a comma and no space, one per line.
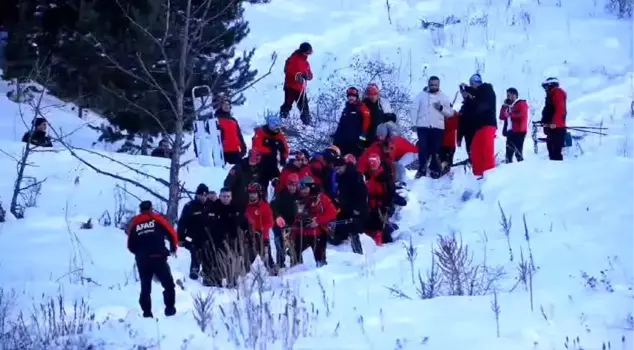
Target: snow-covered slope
(579,213)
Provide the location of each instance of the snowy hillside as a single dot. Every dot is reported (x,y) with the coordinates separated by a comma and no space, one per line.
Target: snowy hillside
(573,220)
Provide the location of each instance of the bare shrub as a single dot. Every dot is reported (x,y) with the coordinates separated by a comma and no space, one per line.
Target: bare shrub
(3,213)
(327,104)
(622,8)
(461,276)
(49,324)
(122,212)
(203,310)
(253,320)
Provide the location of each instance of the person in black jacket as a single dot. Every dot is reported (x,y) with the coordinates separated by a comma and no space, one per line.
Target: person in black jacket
(147,233)
(227,221)
(353,204)
(485,122)
(284,208)
(37,136)
(251,169)
(163,150)
(193,229)
(353,126)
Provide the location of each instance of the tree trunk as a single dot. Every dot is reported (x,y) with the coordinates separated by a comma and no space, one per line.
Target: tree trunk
(174,188)
(145,143)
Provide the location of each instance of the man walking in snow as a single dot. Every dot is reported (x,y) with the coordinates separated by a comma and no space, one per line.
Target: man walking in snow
(514,113)
(428,114)
(147,233)
(296,74)
(193,226)
(554,118)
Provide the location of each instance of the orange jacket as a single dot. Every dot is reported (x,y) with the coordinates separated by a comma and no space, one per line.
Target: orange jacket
(232,140)
(264,140)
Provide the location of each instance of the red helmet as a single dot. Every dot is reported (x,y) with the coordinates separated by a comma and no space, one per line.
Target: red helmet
(352,91)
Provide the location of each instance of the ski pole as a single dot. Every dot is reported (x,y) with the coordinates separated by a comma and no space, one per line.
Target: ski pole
(586,127)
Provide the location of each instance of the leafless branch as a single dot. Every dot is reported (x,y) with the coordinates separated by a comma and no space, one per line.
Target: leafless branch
(273,60)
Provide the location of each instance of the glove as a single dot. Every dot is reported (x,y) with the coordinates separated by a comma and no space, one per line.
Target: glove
(299,77)
(280,222)
(438,106)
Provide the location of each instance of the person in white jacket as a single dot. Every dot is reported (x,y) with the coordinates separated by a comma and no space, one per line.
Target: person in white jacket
(428,114)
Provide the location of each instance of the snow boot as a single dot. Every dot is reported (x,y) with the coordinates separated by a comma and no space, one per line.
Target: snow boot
(148,314)
(193,274)
(170,311)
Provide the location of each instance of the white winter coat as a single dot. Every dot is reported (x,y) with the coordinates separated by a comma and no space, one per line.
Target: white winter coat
(425,115)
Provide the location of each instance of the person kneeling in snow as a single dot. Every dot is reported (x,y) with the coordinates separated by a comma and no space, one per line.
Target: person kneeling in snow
(260,218)
(314,213)
(393,149)
(37,136)
(380,198)
(147,233)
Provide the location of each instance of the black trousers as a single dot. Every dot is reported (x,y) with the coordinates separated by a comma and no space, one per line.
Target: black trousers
(291,96)
(446,155)
(514,146)
(429,144)
(318,243)
(555,143)
(149,267)
(233,157)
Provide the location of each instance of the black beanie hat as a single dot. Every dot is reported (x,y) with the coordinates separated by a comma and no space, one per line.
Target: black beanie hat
(202,189)
(39,121)
(305,47)
(145,206)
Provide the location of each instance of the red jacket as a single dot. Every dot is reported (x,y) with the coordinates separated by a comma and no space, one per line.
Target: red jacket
(554,111)
(232,140)
(295,65)
(260,218)
(322,210)
(377,189)
(399,146)
(516,114)
(316,167)
(450,137)
(262,137)
(291,169)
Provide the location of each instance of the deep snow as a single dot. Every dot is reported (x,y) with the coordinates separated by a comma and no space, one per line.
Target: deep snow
(579,213)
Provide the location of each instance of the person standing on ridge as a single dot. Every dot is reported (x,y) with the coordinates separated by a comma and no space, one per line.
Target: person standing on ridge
(353,126)
(484,123)
(233,145)
(514,113)
(147,233)
(296,75)
(429,111)
(554,118)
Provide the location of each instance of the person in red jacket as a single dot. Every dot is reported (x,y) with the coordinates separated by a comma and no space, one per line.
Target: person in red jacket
(514,113)
(233,144)
(147,233)
(393,149)
(260,219)
(314,213)
(380,198)
(296,73)
(554,118)
(297,166)
(449,142)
